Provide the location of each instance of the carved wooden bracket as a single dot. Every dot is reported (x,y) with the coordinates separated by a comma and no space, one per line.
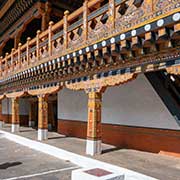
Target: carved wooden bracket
(2,97)
(45,91)
(16,94)
(174,70)
(99,85)
(34,92)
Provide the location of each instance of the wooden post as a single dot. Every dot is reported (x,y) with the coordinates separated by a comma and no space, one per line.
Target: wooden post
(93,145)
(6,64)
(37,45)
(12,59)
(46,10)
(85,20)
(19,54)
(65,28)
(12,56)
(50,38)
(42,117)
(112,13)
(15,115)
(16,41)
(27,50)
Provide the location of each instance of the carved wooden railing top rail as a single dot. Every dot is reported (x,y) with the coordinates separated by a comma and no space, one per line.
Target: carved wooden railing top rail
(120,34)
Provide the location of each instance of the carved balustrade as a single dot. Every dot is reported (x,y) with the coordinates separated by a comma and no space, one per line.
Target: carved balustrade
(85,27)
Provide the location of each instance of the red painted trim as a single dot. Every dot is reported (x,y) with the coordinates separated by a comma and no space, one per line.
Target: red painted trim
(140,138)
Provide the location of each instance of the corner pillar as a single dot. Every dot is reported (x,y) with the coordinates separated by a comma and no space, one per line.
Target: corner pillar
(46,16)
(17,40)
(94,132)
(42,117)
(15,115)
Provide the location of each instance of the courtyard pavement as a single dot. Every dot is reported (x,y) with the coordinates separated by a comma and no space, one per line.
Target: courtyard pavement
(19,162)
(159,166)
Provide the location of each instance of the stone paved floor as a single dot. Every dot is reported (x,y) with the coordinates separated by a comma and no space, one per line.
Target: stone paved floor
(19,162)
(159,166)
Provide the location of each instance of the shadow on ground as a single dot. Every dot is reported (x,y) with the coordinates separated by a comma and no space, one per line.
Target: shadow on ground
(110,150)
(9,164)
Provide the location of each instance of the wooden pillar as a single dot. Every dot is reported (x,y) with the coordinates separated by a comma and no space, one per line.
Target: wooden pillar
(17,40)
(93,144)
(15,115)
(1,119)
(37,44)
(19,54)
(42,117)
(50,38)
(65,29)
(46,16)
(85,20)
(112,12)
(27,50)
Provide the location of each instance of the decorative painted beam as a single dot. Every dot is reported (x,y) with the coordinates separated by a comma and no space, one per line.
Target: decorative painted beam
(47,91)
(99,85)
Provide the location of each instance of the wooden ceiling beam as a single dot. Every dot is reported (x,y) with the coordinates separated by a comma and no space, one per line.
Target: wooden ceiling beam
(7,5)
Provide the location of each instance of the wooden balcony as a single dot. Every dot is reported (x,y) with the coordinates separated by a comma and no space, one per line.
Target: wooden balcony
(79,34)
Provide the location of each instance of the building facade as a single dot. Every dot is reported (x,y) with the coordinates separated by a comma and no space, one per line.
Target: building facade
(104,70)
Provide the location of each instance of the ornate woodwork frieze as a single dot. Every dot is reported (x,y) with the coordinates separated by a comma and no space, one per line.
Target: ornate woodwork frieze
(16,94)
(14,13)
(97,85)
(131,49)
(45,91)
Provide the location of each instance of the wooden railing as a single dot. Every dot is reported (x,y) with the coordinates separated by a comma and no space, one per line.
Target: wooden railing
(77,30)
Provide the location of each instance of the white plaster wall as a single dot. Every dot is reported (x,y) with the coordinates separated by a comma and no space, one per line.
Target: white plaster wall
(23,106)
(6,106)
(135,104)
(72,105)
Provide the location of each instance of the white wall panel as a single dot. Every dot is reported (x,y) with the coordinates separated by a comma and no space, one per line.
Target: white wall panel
(23,106)
(135,104)
(72,105)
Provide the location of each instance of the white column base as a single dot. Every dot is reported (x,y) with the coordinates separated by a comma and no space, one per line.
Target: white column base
(1,124)
(93,147)
(31,123)
(15,128)
(42,134)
